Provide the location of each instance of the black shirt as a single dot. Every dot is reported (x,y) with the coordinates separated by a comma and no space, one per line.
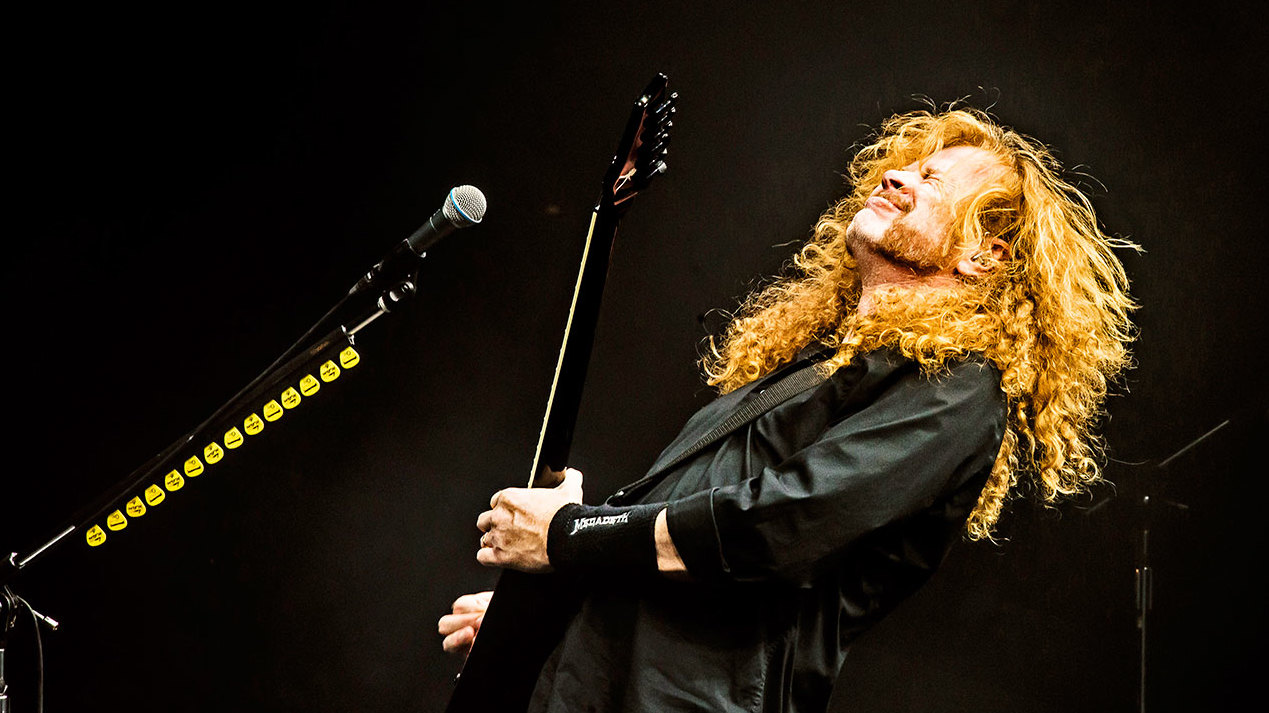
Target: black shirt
(800,530)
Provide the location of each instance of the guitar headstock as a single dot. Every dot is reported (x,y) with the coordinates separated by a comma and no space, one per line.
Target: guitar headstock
(644,145)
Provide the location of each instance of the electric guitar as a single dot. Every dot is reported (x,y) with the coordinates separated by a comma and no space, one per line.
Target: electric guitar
(529,612)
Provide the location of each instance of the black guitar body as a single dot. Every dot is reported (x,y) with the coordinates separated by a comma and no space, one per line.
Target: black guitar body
(527,617)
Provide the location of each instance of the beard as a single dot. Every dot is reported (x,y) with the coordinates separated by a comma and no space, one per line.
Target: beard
(910,242)
(912,247)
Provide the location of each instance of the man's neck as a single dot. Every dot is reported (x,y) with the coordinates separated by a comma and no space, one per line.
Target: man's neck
(877,272)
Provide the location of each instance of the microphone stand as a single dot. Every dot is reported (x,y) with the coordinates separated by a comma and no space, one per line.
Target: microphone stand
(8,617)
(1143,573)
(10,605)
(302,354)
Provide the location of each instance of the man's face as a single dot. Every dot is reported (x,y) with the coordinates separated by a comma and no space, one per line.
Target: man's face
(908,218)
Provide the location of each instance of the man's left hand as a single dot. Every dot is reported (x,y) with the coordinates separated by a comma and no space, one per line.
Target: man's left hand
(515,526)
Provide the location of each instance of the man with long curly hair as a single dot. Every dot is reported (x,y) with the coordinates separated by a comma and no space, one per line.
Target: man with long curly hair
(947,336)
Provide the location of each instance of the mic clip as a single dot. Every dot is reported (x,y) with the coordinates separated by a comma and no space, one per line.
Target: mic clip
(401,264)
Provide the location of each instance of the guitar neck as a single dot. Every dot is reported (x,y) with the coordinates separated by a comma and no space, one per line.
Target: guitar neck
(560,421)
(640,157)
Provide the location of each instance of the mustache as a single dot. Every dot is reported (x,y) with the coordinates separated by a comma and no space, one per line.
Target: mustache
(900,199)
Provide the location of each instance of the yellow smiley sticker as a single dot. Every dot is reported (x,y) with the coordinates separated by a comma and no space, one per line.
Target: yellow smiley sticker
(116,521)
(135,508)
(349,358)
(213,453)
(155,495)
(95,536)
(233,438)
(290,398)
(272,411)
(173,482)
(328,371)
(194,467)
(309,385)
(252,425)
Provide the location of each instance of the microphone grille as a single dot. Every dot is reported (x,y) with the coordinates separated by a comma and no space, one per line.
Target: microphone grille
(465,206)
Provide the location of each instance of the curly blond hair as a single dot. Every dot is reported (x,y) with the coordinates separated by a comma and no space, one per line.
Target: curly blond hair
(1053,315)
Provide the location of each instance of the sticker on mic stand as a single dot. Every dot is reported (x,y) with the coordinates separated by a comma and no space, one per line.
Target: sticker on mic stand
(272,411)
(116,521)
(213,453)
(173,482)
(252,425)
(329,372)
(155,495)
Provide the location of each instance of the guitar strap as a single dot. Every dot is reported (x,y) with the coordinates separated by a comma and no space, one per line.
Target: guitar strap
(768,398)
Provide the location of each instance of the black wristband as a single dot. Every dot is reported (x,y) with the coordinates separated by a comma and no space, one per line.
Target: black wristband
(603,537)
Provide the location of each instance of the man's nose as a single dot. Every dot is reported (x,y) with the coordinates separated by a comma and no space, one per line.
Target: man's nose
(893,180)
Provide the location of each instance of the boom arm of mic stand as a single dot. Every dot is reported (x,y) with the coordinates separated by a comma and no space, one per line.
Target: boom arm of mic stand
(282,369)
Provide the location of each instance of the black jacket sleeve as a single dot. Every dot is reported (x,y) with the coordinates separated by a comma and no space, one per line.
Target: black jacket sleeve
(919,440)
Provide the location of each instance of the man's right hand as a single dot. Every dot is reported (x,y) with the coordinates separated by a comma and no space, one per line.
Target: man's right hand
(460,627)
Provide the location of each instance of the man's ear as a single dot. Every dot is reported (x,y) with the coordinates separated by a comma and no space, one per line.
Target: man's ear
(984,261)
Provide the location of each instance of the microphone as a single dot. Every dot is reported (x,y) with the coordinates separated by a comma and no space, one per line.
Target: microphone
(464,207)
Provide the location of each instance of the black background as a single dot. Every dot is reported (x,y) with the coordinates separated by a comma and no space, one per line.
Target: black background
(192,185)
